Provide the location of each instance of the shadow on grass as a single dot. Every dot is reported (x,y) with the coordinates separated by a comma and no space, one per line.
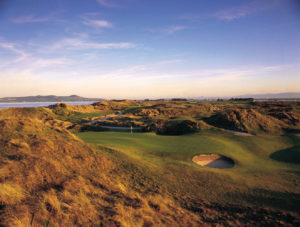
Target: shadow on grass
(295,172)
(292,131)
(92,128)
(274,199)
(290,155)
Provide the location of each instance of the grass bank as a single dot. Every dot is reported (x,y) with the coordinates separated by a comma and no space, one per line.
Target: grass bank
(255,180)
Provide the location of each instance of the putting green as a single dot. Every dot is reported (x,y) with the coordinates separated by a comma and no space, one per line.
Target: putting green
(248,152)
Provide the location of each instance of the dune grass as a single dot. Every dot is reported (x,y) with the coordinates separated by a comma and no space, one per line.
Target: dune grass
(81,116)
(11,193)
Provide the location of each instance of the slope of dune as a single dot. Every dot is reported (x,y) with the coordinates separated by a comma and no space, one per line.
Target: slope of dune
(247,120)
(48,177)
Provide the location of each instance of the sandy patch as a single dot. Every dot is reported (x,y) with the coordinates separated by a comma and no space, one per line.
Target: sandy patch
(237,133)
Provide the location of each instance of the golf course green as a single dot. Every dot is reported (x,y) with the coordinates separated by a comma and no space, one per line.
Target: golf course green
(255,180)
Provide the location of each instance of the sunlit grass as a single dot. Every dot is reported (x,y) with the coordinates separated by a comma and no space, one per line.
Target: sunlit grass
(11,193)
(50,177)
(82,116)
(161,154)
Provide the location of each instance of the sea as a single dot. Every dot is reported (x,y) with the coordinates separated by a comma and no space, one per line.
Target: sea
(37,104)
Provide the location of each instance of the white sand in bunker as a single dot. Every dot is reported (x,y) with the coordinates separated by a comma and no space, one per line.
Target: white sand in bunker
(213,161)
(237,133)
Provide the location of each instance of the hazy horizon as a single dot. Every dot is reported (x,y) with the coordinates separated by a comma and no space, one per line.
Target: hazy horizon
(135,49)
(285,95)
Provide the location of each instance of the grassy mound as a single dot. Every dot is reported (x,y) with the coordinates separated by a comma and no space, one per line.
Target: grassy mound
(173,109)
(176,127)
(49,177)
(246,120)
(67,110)
(116,104)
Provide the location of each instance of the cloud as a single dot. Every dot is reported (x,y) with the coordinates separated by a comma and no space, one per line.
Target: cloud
(29,19)
(164,70)
(232,14)
(153,81)
(47,62)
(34,19)
(167,62)
(167,78)
(156,70)
(245,10)
(90,19)
(173,29)
(97,23)
(107,3)
(169,30)
(79,44)
(11,47)
(28,60)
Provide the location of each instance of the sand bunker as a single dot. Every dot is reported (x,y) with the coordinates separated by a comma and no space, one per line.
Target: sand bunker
(213,161)
(237,133)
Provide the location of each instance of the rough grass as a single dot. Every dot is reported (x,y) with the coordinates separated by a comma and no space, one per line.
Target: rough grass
(49,177)
(11,194)
(247,120)
(80,116)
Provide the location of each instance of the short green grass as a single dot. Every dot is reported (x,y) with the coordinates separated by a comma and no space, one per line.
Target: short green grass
(182,118)
(255,179)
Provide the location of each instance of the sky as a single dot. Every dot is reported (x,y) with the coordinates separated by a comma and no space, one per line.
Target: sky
(149,48)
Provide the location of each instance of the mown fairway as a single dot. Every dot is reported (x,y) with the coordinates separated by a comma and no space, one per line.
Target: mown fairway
(256,178)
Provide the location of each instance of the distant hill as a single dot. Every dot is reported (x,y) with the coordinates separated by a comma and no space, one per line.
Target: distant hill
(49,98)
(287,95)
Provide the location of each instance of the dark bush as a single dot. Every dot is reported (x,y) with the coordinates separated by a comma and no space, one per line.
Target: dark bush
(176,127)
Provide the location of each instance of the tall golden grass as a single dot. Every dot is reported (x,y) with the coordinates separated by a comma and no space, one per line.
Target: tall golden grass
(50,178)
